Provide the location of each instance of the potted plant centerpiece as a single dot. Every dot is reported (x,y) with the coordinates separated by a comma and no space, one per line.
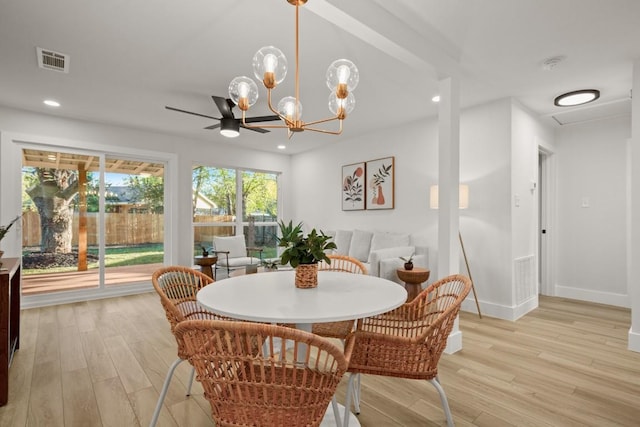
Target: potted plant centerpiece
(304,252)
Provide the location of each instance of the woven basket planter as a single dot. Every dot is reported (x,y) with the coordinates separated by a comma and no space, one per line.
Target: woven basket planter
(307,276)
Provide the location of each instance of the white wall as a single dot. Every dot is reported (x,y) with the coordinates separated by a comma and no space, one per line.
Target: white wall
(485,165)
(526,134)
(592,209)
(182,153)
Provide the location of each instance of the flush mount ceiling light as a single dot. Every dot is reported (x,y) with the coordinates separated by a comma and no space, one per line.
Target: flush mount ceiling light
(51,103)
(577,97)
(270,66)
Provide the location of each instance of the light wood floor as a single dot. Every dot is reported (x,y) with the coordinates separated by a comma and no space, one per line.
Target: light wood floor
(102,363)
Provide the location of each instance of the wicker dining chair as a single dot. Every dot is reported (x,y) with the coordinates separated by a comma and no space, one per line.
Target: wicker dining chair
(345,264)
(256,374)
(177,287)
(408,341)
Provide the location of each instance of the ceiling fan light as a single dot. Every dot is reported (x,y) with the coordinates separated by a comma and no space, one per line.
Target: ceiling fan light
(243,92)
(229,128)
(270,66)
(577,97)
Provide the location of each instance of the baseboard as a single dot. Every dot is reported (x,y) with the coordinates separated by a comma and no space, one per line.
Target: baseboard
(501,311)
(609,298)
(65,297)
(634,340)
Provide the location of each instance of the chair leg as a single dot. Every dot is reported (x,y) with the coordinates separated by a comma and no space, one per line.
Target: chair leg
(163,393)
(347,403)
(443,399)
(336,411)
(356,394)
(193,374)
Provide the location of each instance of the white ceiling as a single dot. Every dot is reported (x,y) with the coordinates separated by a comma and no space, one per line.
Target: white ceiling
(130,58)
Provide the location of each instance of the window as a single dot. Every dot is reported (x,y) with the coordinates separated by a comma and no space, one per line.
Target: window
(228,202)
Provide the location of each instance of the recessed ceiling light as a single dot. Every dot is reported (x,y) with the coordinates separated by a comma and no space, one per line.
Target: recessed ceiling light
(436,98)
(281,147)
(51,103)
(577,97)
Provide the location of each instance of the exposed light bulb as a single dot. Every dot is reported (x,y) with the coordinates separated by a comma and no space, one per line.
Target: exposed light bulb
(343,74)
(243,90)
(270,63)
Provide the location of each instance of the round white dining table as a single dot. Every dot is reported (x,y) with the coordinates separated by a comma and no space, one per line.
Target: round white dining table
(272,297)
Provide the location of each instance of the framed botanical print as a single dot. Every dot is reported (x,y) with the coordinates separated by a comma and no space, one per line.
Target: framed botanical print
(353,189)
(380,183)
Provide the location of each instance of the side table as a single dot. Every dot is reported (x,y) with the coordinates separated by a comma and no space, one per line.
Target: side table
(413,280)
(205,263)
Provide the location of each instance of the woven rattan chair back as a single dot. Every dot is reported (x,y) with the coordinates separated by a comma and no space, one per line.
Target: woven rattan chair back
(342,263)
(262,375)
(346,264)
(411,337)
(408,341)
(177,287)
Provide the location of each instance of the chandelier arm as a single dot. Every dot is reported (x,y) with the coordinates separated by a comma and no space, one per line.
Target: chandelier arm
(330,119)
(325,131)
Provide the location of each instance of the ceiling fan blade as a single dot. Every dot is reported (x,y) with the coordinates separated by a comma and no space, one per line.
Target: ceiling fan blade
(224,105)
(260,119)
(259,130)
(190,112)
(216,126)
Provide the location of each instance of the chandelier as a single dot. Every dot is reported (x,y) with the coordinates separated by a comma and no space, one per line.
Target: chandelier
(270,66)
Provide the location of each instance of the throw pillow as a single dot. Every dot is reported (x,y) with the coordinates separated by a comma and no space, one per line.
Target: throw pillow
(342,241)
(360,245)
(383,240)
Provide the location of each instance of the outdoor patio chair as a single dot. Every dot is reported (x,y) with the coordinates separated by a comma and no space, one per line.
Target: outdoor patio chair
(233,253)
(347,264)
(177,287)
(408,341)
(263,375)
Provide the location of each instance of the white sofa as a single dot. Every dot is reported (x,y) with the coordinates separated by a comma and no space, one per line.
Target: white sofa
(379,251)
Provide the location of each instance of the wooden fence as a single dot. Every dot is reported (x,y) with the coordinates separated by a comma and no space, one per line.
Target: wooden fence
(120,229)
(130,229)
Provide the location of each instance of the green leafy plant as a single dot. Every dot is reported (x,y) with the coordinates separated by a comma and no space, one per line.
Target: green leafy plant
(5,229)
(407,258)
(270,264)
(301,249)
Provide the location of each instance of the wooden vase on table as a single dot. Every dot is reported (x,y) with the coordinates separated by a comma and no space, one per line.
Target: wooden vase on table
(306,276)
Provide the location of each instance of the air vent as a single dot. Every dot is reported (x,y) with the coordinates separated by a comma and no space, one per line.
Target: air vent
(50,60)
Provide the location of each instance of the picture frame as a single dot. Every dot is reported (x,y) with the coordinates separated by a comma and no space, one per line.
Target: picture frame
(353,187)
(380,181)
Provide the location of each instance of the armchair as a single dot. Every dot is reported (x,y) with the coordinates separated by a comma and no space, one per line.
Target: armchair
(233,253)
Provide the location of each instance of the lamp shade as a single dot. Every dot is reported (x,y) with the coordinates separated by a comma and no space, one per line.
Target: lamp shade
(463,197)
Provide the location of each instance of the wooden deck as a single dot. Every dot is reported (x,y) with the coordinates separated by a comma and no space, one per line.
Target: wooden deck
(53,282)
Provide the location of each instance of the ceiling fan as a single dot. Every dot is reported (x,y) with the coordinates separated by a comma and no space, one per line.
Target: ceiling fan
(229,125)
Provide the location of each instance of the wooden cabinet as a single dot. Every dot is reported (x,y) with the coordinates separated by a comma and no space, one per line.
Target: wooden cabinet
(9,320)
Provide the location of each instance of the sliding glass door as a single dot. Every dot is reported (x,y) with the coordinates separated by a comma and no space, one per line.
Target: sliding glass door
(89,220)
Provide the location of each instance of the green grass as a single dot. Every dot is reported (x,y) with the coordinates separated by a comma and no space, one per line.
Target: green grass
(116,256)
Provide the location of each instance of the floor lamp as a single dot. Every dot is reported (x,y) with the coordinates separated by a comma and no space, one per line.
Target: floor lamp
(463,203)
